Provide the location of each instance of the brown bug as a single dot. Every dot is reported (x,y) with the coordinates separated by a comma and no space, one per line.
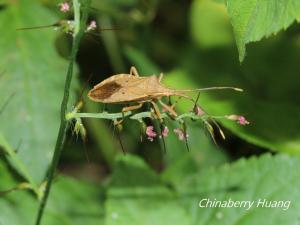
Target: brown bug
(131,88)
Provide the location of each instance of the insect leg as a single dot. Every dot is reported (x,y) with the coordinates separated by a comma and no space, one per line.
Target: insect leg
(174,104)
(168,108)
(196,102)
(157,112)
(134,72)
(104,108)
(117,124)
(129,108)
(161,75)
(169,100)
(133,107)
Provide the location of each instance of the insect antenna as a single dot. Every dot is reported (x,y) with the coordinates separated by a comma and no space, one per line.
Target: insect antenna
(98,33)
(184,91)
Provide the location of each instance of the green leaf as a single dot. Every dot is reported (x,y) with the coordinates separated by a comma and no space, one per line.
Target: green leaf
(210,26)
(265,178)
(142,201)
(18,164)
(70,202)
(34,73)
(137,197)
(254,19)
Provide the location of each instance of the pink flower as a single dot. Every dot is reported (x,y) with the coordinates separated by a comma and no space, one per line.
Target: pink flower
(181,134)
(92,26)
(64,7)
(150,133)
(198,111)
(240,119)
(165,132)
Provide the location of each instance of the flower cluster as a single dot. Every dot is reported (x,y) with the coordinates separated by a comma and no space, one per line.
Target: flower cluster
(68,25)
(182,135)
(151,134)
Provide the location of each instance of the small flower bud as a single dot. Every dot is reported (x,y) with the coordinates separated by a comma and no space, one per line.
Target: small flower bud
(198,111)
(181,134)
(92,26)
(165,132)
(64,7)
(240,119)
(150,133)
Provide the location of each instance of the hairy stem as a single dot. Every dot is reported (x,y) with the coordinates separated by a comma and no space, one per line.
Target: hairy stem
(80,24)
(138,116)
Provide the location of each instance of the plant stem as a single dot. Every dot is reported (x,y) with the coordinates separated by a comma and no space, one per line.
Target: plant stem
(138,116)
(81,23)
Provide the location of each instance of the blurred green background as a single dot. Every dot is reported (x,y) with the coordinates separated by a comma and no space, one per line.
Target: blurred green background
(199,43)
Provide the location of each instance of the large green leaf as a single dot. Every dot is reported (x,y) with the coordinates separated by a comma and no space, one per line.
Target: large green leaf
(254,19)
(136,196)
(265,178)
(70,202)
(34,73)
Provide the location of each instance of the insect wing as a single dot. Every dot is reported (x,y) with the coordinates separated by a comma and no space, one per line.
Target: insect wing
(132,88)
(126,95)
